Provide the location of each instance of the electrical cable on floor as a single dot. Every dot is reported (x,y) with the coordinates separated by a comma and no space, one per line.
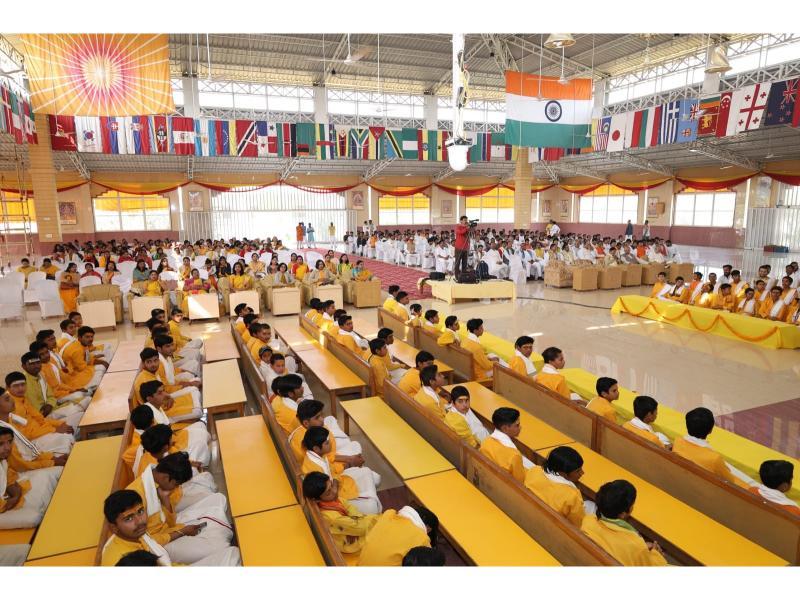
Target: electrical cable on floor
(563,302)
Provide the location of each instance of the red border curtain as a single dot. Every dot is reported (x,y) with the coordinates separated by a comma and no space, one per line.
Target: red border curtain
(713,185)
(400,191)
(467,191)
(582,190)
(641,188)
(783,178)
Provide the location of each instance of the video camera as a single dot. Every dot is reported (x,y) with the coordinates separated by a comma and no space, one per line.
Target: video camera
(473,222)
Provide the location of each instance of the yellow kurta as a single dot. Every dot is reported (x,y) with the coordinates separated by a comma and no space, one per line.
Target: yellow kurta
(447,338)
(176,335)
(707,458)
(425,400)
(379,372)
(37,425)
(480,362)
(347,485)
(410,382)
(240,282)
(657,287)
(348,531)
(518,365)
(390,539)
(602,407)
(348,342)
(724,302)
(153,289)
(456,421)
(54,382)
(116,548)
(766,308)
(12,478)
(389,304)
(562,498)
(182,405)
(296,444)
(553,381)
(508,459)
(157,529)
(286,417)
(649,436)
(628,547)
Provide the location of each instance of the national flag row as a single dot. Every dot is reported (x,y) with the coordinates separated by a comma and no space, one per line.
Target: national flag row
(16,117)
(240,137)
(719,115)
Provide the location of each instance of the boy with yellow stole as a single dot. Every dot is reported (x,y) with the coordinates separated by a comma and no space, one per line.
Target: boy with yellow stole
(395,533)
(645,410)
(607,392)
(83,369)
(500,447)
(410,382)
(554,483)
(451,333)
(521,362)
(460,418)
(431,395)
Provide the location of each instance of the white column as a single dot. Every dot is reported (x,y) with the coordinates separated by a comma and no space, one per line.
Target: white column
(599,98)
(320,104)
(430,112)
(191,97)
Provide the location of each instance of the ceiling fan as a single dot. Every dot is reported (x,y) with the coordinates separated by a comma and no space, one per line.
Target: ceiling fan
(352,57)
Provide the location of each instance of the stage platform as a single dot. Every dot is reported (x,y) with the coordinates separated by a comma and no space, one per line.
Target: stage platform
(450,291)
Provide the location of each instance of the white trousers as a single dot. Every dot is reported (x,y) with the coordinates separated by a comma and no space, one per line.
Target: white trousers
(214,537)
(13,555)
(197,488)
(57,443)
(367,481)
(189,364)
(197,446)
(43,484)
(70,413)
(99,371)
(78,399)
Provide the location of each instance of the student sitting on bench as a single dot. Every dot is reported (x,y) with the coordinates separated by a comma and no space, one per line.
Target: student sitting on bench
(52,373)
(431,395)
(333,328)
(327,308)
(23,497)
(239,311)
(396,368)
(142,418)
(69,329)
(390,302)
(83,373)
(451,334)
(694,447)
(315,314)
(348,525)
(431,321)
(182,406)
(410,382)
(400,309)
(522,363)
(185,346)
(377,364)
(421,556)
(776,479)
(177,381)
(248,320)
(500,447)
(48,435)
(349,338)
(554,483)
(645,410)
(356,484)
(395,533)
(127,517)
(261,335)
(25,454)
(104,351)
(550,377)
(160,488)
(610,529)
(276,367)
(415,310)
(460,418)
(482,363)
(41,397)
(607,392)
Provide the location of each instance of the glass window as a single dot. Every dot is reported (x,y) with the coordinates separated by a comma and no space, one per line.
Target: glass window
(705,209)
(118,211)
(788,195)
(21,214)
(496,206)
(614,208)
(404,210)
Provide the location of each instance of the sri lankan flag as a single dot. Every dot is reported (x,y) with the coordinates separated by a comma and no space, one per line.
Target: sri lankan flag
(326,141)
(432,145)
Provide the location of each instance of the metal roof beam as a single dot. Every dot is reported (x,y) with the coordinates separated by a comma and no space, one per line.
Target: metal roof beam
(502,55)
(79,165)
(448,75)
(579,68)
(552,174)
(573,169)
(288,167)
(638,161)
(443,174)
(723,155)
(329,65)
(377,168)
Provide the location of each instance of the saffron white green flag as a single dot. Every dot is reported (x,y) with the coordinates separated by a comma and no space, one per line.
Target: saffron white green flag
(542,113)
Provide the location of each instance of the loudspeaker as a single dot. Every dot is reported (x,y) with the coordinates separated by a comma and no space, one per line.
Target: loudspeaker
(467,277)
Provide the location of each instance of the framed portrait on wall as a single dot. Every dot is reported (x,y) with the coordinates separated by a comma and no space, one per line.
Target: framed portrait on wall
(195,202)
(447,208)
(564,209)
(68,213)
(546,209)
(357,198)
(652,207)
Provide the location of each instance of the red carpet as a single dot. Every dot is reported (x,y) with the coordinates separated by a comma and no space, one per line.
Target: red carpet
(390,274)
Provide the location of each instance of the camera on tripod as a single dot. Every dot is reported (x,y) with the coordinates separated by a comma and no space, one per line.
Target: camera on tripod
(473,222)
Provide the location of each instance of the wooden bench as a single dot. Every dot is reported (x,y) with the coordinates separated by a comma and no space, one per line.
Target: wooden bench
(223,391)
(74,517)
(277,538)
(401,330)
(365,329)
(744,454)
(110,407)
(126,356)
(455,356)
(501,347)
(294,337)
(352,361)
(219,346)
(250,369)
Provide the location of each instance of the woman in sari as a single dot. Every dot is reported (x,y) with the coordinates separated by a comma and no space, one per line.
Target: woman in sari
(110,272)
(301,269)
(256,268)
(321,275)
(239,280)
(293,263)
(344,267)
(283,277)
(141,272)
(193,285)
(68,288)
(330,261)
(186,269)
(154,287)
(163,265)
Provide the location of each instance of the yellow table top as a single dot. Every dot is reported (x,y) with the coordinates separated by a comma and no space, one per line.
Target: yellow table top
(254,474)
(535,434)
(744,454)
(74,517)
(402,447)
(365,328)
(294,336)
(126,356)
(78,558)
(222,384)
(407,354)
(277,538)
(110,400)
(492,288)
(483,531)
(220,346)
(690,530)
(333,374)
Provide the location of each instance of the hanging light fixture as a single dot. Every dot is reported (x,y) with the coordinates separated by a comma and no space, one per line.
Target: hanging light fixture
(562,80)
(717,60)
(559,40)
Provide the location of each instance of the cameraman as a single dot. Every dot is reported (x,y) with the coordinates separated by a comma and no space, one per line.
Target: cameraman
(461,246)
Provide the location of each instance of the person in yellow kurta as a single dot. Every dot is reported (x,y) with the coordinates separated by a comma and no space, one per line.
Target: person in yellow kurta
(482,365)
(83,369)
(360,273)
(500,447)
(451,334)
(549,376)
(554,483)
(749,304)
(345,453)
(678,292)
(26,269)
(41,397)
(248,320)
(432,396)
(314,314)
(395,533)
(431,321)
(185,270)
(776,481)
(53,375)
(256,267)
(607,392)
(348,525)
(793,313)
(153,288)
(182,342)
(69,329)
(660,287)
(47,434)
(302,269)
(773,307)
(349,338)
(521,361)
(48,268)
(239,311)
(610,529)
(400,309)
(410,382)
(68,287)
(695,448)
(288,392)
(645,410)
(390,302)
(724,300)
(26,454)
(193,285)
(239,280)
(376,358)
(460,418)
(181,407)
(415,315)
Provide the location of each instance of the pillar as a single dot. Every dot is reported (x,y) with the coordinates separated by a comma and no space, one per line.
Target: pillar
(191,97)
(599,95)
(523,177)
(43,182)
(320,104)
(430,112)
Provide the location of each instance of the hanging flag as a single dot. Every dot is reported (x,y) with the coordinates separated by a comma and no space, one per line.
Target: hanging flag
(670,114)
(641,128)
(499,150)
(374,142)
(723,114)
(708,112)
(751,102)
(222,138)
(182,135)
(600,131)
(541,112)
(272,139)
(246,144)
(98,74)
(616,136)
(29,124)
(782,103)
(5,108)
(480,148)
(17,128)
(201,137)
(159,134)
(137,135)
(359,143)
(287,144)
(342,141)
(391,144)
(433,146)
(688,120)
(305,139)
(112,136)
(326,145)
(87,133)
(410,144)
(62,133)
(630,117)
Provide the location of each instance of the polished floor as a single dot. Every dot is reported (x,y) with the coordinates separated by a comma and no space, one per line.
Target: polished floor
(753,390)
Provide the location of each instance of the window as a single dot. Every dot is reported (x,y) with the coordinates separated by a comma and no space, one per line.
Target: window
(496,206)
(404,210)
(705,209)
(118,211)
(788,195)
(608,208)
(21,214)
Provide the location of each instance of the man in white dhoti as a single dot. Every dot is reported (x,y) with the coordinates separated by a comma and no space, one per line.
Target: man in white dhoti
(494,262)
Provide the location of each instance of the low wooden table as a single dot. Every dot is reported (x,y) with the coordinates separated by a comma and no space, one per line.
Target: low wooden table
(407,354)
(293,336)
(220,346)
(223,390)
(450,291)
(332,374)
(126,356)
(109,408)
(278,538)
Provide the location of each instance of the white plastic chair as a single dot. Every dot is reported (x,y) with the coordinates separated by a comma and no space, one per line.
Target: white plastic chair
(10,299)
(266,257)
(50,302)
(17,278)
(284,256)
(87,281)
(173,261)
(30,296)
(312,257)
(203,273)
(126,269)
(199,262)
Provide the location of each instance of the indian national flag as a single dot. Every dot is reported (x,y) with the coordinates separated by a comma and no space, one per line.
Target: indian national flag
(541,112)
